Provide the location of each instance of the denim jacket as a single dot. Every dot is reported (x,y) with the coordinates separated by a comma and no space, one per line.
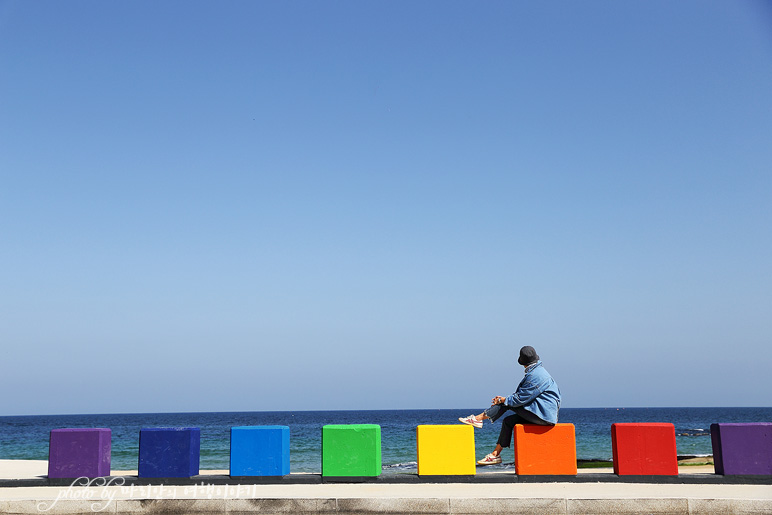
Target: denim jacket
(538,393)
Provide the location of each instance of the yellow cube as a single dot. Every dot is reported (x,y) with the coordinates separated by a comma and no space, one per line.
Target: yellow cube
(446,450)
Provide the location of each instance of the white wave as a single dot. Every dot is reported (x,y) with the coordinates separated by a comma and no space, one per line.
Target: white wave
(407,464)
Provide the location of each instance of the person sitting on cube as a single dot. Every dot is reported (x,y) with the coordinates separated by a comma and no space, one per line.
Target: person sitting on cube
(536,401)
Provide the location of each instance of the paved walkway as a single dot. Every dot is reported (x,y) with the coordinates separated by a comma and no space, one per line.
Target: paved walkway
(427,498)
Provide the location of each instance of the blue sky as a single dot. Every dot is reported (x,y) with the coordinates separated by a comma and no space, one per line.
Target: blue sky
(219,206)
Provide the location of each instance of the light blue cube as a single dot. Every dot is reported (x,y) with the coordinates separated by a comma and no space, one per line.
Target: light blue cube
(260,451)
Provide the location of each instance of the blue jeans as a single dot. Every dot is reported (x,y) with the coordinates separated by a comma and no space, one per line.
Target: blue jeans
(520,416)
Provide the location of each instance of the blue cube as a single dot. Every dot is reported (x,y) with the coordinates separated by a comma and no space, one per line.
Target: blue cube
(169,451)
(260,451)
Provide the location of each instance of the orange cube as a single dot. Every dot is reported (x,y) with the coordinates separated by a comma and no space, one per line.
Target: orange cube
(545,450)
(644,449)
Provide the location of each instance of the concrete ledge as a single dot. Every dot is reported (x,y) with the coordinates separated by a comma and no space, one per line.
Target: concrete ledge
(62,507)
(527,506)
(483,478)
(729,506)
(627,506)
(172,506)
(282,506)
(264,506)
(394,506)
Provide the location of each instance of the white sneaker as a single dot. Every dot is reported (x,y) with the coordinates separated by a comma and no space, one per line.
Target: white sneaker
(471,421)
(490,460)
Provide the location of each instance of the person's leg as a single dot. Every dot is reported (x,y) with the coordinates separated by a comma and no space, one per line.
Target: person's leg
(505,434)
(529,418)
(493,413)
(521,416)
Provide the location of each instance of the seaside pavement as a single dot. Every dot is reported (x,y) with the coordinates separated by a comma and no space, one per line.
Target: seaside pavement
(431,498)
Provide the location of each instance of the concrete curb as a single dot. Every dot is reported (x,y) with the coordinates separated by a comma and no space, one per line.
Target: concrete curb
(303,479)
(394,506)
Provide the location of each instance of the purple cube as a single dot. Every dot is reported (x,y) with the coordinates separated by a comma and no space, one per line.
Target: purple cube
(742,449)
(79,452)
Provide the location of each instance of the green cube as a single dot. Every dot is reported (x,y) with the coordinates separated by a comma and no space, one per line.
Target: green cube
(351,450)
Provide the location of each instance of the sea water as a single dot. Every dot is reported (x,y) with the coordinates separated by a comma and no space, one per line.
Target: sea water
(26,437)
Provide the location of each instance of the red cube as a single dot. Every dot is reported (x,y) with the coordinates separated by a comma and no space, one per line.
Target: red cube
(644,449)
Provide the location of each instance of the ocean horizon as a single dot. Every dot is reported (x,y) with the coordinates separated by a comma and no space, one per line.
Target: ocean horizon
(26,436)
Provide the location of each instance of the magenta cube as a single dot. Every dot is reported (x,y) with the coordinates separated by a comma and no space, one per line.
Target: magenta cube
(79,452)
(742,449)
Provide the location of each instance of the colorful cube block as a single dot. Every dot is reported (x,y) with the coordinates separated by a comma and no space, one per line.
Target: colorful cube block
(644,449)
(76,452)
(545,450)
(446,450)
(351,450)
(260,451)
(742,449)
(169,451)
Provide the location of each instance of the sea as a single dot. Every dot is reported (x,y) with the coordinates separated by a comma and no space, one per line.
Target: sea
(26,437)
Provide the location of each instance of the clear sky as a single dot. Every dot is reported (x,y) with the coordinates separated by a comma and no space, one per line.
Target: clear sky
(222,206)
